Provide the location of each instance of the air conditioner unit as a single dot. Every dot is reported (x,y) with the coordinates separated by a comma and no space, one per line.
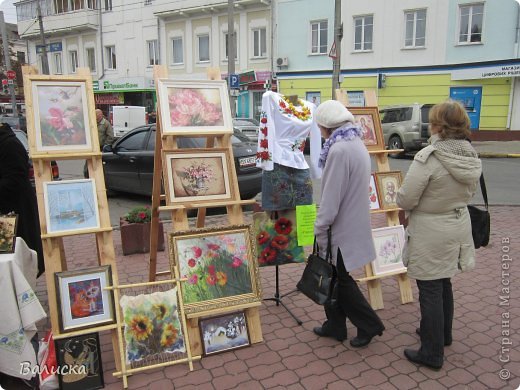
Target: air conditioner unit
(282,61)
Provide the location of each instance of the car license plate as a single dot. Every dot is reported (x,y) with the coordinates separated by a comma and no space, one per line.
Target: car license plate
(247,161)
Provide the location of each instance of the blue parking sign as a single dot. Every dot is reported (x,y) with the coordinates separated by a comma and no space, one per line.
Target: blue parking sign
(234,81)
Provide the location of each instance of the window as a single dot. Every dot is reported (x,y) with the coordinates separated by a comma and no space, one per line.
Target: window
(319,37)
(203,48)
(20,57)
(91,58)
(177,52)
(56,61)
(153,53)
(226,43)
(415,22)
(107,5)
(471,17)
(147,2)
(363,31)
(134,141)
(73,55)
(260,42)
(111,57)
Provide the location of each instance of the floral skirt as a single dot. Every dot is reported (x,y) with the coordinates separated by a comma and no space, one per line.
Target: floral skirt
(285,188)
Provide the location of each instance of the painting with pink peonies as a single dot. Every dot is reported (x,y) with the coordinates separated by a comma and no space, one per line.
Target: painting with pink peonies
(194,106)
(389,244)
(60,113)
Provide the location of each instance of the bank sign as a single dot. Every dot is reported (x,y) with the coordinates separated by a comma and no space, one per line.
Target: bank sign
(126,84)
(488,72)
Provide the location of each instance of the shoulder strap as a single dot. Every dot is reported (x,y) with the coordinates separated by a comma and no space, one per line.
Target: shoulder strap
(483,189)
(315,248)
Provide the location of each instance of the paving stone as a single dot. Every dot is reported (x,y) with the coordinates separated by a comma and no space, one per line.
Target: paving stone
(318,367)
(318,382)
(369,378)
(431,384)
(283,378)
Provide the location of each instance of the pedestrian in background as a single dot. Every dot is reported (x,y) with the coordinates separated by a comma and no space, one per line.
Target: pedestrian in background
(344,207)
(436,190)
(105,131)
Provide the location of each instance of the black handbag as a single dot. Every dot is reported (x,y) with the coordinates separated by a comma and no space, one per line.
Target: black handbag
(319,275)
(480,219)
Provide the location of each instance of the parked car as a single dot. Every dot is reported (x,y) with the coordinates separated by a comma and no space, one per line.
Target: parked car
(405,126)
(248,127)
(128,163)
(22,137)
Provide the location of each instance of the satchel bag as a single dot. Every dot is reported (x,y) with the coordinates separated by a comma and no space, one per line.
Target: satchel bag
(480,219)
(318,279)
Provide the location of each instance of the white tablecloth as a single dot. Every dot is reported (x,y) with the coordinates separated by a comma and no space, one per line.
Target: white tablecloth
(20,309)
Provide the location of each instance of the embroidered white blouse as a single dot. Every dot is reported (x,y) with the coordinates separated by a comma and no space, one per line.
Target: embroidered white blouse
(284,129)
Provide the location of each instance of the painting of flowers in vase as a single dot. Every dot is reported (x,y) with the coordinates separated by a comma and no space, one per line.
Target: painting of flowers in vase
(153,331)
(61,120)
(276,239)
(389,244)
(189,106)
(218,265)
(201,175)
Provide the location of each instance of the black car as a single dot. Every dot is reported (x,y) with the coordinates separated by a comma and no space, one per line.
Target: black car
(128,163)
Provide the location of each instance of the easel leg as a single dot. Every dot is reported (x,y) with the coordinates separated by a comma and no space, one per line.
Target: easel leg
(278,298)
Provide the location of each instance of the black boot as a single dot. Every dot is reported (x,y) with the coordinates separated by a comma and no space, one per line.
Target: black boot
(326,330)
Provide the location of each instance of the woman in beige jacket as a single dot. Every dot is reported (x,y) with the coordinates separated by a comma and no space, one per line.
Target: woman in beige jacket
(438,186)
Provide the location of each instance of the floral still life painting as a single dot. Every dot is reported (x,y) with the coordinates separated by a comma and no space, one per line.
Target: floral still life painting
(61,116)
(389,245)
(152,327)
(276,239)
(224,333)
(218,265)
(7,232)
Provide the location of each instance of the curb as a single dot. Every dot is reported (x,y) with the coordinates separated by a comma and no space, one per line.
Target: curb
(499,155)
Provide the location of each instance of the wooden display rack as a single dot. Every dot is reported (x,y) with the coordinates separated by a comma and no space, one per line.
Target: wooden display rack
(53,250)
(375,293)
(179,213)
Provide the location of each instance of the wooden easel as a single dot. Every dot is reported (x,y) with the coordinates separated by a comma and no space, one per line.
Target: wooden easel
(179,213)
(375,293)
(53,249)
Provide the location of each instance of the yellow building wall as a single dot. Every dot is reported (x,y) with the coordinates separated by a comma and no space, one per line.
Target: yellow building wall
(406,89)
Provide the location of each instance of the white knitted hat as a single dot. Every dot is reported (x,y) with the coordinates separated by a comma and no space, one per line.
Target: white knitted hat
(332,114)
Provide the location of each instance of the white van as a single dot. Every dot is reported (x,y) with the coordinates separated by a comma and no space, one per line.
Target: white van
(126,118)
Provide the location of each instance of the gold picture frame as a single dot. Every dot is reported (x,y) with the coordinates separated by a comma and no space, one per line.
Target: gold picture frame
(388,183)
(8,225)
(370,123)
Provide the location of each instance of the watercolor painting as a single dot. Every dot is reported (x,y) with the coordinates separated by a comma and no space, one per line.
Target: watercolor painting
(224,333)
(389,244)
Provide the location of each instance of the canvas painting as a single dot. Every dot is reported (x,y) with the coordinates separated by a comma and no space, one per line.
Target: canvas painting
(61,120)
(368,120)
(194,106)
(82,356)
(276,239)
(219,265)
(71,205)
(199,175)
(389,245)
(224,333)
(388,184)
(313,97)
(8,232)
(153,328)
(373,196)
(82,299)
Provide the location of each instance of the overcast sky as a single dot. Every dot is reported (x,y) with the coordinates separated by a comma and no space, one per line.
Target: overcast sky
(9,10)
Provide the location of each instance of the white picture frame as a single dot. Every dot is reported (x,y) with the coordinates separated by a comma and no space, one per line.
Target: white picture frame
(373,194)
(389,244)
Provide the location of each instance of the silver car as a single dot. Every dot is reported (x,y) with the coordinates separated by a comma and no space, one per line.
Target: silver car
(248,127)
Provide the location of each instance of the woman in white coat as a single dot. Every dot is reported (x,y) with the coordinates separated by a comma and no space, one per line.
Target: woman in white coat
(345,208)
(436,190)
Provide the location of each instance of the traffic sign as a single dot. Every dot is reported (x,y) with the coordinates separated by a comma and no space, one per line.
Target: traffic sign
(234,81)
(4,81)
(10,82)
(11,74)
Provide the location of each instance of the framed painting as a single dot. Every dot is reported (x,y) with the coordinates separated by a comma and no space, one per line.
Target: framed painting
(373,195)
(313,97)
(82,299)
(61,117)
(79,360)
(8,232)
(388,184)
(224,333)
(389,244)
(368,120)
(71,205)
(219,265)
(198,175)
(153,330)
(194,106)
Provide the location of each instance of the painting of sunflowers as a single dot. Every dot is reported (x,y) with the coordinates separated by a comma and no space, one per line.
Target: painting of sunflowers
(276,239)
(153,330)
(219,266)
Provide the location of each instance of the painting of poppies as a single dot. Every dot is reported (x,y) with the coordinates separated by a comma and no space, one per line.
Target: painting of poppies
(61,119)
(194,106)
(219,266)
(276,239)
(153,330)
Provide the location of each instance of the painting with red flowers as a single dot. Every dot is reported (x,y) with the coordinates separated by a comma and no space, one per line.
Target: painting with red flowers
(276,239)
(189,106)
(60,114)
(219,266)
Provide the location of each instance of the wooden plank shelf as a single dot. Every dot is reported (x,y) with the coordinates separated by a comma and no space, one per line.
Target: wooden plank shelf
(188,206)
(73,233)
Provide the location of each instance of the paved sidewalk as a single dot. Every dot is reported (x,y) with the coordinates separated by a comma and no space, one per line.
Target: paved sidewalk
(292,357)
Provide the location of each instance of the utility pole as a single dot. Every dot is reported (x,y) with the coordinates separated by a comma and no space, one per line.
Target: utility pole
(338,34)
(45,60)
(231,54)
(7,62)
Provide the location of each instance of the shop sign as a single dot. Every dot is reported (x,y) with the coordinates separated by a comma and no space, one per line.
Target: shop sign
(124,84)
(488,72)
(109,98)
(247,77)
(95,85)
(51,47)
